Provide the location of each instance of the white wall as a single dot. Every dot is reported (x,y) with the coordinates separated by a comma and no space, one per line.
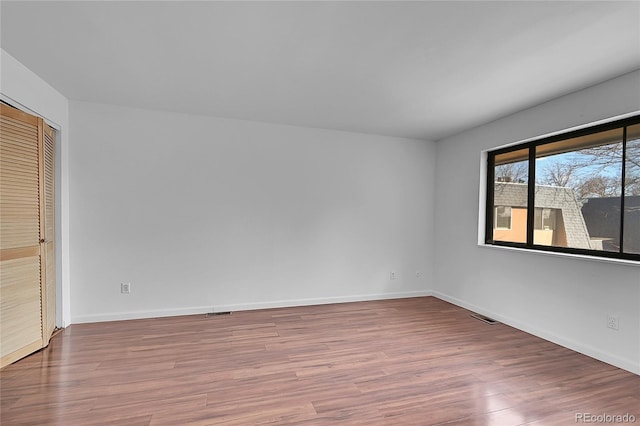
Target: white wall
(563,299)
(199,212)
(23,89)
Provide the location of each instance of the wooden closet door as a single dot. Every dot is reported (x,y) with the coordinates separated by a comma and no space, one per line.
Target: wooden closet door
(24,261)
(47,225)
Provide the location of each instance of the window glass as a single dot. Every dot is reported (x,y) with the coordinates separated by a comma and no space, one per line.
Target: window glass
(511,173)
(632,192)
(578,188)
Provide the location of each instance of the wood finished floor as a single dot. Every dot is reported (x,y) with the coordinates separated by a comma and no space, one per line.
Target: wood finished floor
(417,361)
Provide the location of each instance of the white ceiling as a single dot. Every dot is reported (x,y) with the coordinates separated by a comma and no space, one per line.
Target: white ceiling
(421,70)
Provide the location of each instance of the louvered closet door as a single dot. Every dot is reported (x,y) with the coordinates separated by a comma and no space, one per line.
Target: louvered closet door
(47,223)
(24,268)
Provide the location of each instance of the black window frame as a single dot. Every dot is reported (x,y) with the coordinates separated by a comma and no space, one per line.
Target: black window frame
(531,146)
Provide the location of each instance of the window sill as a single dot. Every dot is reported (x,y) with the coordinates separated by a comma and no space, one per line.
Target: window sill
(624,262)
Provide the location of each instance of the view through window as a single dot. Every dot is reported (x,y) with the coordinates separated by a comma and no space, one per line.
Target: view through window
(579,192)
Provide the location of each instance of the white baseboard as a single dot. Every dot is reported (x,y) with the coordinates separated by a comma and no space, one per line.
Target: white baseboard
(119,316)
(318,301)
(625,364)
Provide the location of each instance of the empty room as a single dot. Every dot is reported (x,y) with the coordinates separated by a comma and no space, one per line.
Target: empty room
(318,212)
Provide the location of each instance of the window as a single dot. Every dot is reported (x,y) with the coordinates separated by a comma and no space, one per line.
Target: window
(545,219)
(577,192)
(503,217)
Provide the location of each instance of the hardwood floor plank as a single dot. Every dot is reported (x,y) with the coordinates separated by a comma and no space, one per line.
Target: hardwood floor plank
(418,361)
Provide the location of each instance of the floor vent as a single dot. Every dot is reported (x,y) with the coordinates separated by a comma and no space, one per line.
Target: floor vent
(484,319)
(217,314)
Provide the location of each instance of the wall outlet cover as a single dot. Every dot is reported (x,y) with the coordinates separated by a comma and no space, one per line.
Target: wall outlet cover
(613,321)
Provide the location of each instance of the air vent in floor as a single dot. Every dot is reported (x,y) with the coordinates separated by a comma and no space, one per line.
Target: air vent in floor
(484,319)
(217,314)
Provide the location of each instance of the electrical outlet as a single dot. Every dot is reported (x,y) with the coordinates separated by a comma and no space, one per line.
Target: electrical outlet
(392,275)
(613,322)
(125,288)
